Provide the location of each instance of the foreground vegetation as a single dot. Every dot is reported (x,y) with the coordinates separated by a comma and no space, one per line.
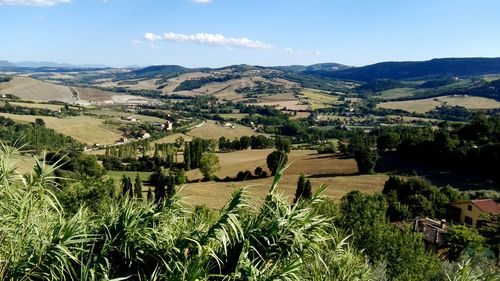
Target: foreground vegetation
(111,236)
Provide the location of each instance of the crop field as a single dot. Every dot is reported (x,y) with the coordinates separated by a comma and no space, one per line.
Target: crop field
(489,78)
(336,173)
(110,113)
(307,162)
(38,105)
(426,105)
(94,95)
(210,130)
(226,90)
(85,129)
(117,175)
(32,89)
(395,93)
(172,138)
(216,194)
(318,100)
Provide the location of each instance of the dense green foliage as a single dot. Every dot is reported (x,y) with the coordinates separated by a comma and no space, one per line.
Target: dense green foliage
(36,136)
(274,159)
(380,85)
(197,83)
(131,239)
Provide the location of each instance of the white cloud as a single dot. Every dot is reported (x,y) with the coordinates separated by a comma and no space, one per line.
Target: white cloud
(33,2)
(136,42)
(208,39)
(202,1)
(291,51)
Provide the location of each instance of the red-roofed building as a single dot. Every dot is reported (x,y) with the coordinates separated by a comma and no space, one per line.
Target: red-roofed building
(471,212)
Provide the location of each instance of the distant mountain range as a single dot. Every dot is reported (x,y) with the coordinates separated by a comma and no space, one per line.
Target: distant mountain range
(406,70)
(45,64)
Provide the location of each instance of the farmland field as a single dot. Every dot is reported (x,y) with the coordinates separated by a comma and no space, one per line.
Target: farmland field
(395,93)
(426,105)
(210,130)
(216,194)
(85,129)
(38,105)
(339,175)
(172,138)
(32,89)
(318,100)
(110,113)
(326,169)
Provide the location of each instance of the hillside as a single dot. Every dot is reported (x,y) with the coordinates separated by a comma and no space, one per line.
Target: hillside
(435,68)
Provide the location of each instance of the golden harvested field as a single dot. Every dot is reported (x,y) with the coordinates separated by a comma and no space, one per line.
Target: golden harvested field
(85,129)
(426,105)
(226,90)
(215,194)
(307,162)
(172,138)
(32,89)
(176,81)
(210,130)
(94,95)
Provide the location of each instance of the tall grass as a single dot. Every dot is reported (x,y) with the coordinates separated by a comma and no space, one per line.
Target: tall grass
(135,240)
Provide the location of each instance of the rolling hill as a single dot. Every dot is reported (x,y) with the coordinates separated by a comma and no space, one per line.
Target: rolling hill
(435,68)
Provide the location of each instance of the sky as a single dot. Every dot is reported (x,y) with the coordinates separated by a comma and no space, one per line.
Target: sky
(214,33)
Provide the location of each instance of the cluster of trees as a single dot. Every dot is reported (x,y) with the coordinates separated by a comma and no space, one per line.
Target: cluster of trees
(278,158)
(417,197)
(197,83)
(402,251)
(261,88)
(4,79)
(132,190)
(164,182)
(129,150)
(244,142)
(379,85)
(36,136)
(473,147)
(194,150)
(23,110)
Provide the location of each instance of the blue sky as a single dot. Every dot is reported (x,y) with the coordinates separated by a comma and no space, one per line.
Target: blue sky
(264,32)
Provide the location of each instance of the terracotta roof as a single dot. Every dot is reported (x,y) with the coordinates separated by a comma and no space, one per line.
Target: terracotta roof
(487,206)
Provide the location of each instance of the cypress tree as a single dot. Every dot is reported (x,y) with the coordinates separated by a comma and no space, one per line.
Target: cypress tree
(138,187)
(300,188)
(187,157)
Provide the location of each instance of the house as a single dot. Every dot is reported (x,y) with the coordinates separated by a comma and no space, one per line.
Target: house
(432,231)
(471,212)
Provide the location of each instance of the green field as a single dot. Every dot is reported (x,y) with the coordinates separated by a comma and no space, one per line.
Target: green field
(318,100)
(117,175)
(395,93)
